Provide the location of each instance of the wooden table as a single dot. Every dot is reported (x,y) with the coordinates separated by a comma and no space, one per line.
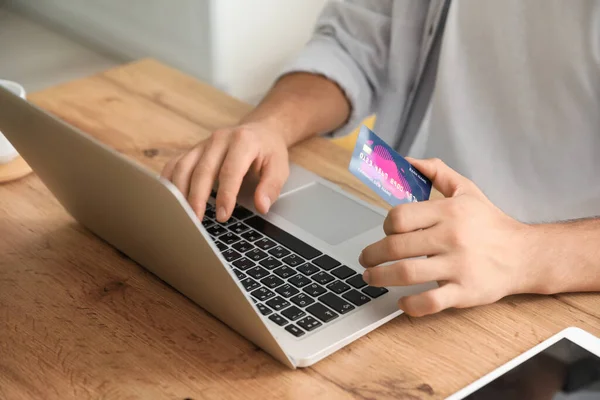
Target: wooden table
(79,320)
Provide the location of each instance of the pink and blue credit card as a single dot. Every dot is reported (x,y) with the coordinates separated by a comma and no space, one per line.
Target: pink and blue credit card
(386,172)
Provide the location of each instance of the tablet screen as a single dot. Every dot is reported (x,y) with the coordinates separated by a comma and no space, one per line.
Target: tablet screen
(562,371)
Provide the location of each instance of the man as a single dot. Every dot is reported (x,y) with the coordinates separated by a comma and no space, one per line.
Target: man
(515,111)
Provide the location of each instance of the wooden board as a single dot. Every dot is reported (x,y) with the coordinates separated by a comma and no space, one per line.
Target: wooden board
(79,320)
(13,170)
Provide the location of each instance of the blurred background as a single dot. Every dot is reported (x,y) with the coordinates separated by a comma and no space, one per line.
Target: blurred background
(235,45)
(238,46)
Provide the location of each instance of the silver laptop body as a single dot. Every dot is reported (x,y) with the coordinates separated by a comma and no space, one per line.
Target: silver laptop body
(148,219)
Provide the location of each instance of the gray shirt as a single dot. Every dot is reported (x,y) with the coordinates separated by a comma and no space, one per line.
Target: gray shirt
(517,96)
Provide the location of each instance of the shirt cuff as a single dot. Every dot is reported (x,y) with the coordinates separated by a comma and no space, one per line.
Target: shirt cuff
(324,56)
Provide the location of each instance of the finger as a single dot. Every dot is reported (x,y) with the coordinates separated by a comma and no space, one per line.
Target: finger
(169,167)
(412,216)
(235,166)
(409,272)
(205,173)
(182,173)
(431,301)
(449,182)
(272,178)
(397,247)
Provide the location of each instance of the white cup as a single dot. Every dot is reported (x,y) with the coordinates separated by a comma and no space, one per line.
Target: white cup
(7,151)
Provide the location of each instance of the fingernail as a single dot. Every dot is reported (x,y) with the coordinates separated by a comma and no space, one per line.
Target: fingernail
(266,203)
(366,276)
(221,214)
(360,259)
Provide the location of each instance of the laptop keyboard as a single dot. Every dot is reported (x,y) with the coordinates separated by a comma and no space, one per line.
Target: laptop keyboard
(295,285)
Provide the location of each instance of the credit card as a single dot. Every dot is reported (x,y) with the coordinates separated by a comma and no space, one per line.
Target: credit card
(386,172)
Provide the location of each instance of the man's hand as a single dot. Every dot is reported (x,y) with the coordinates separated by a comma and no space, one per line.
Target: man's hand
(299,105)
(474,251)
(227,156)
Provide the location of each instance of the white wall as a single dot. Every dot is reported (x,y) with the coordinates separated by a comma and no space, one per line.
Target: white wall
(236,45)
(176,31)
(253,39)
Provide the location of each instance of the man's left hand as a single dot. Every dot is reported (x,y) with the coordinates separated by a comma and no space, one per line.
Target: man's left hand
(475,252)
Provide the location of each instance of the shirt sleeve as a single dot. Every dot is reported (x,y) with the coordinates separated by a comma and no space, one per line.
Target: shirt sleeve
(350,46)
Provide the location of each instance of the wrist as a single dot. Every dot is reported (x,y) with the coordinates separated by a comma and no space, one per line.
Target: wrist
(301,105)
(537,268)
(276,123)
(532,272)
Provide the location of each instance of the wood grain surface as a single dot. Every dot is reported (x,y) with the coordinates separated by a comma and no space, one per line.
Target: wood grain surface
(79,320)
(13,170)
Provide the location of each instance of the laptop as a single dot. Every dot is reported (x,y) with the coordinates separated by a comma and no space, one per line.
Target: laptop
(288,281)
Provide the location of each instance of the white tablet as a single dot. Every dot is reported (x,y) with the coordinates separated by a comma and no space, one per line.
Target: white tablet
(565,366)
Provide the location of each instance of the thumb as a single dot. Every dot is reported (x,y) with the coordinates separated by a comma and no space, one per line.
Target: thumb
(446,180)
(273,175)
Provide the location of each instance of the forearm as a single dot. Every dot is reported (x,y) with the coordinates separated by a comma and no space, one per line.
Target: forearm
(302,105)
(567,255)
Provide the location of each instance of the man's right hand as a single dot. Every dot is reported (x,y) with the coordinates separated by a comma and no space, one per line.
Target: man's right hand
(226,157)
(299,105)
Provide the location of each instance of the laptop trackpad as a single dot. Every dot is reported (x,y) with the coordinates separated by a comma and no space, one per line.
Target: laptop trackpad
(326,214)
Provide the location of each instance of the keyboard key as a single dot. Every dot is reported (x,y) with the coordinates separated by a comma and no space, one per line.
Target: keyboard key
(265,244)
(229,238)
(263,309)
(308,269)
(294,330)
(231,221)
(281,236)
(299,281)
(309,323)
(210,212)
(262,294)
(293,313)
(321,312)
(237,227)
(343,272)
(279,252)
(221,246)
(270,263)
(278,303)
(302,300)
(338,287)
(216,230)
(241,212)
(286,290)
(231,255)
(278,319)
(213,194)
(322,278)
(272,281)
(375,292)
(314,290)
(285,272)
(226,223)
(356,298)
(250,284)
(242,246)
(257,273)
(356,281)
(206,222)
(244,263)
(326,262)
(256,255)
(293,260)
(251,235)
(335,303)
(240,275)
